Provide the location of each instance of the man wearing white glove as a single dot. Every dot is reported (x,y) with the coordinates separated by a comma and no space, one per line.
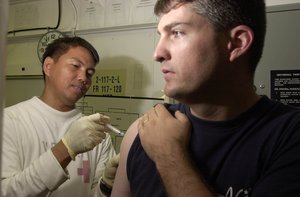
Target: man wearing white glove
(108,177)
(85,134)
(49,147)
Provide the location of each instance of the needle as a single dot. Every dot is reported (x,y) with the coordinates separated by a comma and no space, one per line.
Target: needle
(115,130)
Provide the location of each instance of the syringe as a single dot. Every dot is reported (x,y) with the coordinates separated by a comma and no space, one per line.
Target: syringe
(115,130)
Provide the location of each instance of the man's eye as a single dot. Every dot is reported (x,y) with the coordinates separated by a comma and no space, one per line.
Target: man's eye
(90,73)
(75,65)
(177,33)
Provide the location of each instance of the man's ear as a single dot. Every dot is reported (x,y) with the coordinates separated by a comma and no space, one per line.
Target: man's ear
(48,62)
(241,39)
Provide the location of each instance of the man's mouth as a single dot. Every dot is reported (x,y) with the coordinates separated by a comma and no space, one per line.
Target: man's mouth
(80,88)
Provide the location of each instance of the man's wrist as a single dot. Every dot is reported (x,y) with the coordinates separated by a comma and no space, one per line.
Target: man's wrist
(61,154)
(105,188)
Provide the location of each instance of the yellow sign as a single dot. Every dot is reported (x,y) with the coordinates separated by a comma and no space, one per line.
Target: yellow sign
(108,83)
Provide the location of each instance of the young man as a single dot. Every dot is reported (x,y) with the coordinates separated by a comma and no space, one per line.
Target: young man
(222,139)
(41,136)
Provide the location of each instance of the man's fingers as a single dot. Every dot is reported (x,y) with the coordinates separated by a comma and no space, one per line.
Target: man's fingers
(115,160)
(95,117)
(99,118)
(161,110)
(104,119)
(180,116)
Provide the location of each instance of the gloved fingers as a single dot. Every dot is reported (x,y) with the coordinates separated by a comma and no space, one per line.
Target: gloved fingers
(110,173)
(104,119)
(99,118)
(114,162)
(97,133)
(100,134)
(94,117)
(100,128)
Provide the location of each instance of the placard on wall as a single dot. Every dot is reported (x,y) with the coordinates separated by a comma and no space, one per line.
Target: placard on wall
(285,86)
(282,48)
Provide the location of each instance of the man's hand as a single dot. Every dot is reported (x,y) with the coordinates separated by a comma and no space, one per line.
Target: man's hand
(165,139)
(85,133)
(108,177)
(110,170)
(163,135)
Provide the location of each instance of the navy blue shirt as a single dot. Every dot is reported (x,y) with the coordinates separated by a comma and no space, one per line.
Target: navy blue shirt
(257,154)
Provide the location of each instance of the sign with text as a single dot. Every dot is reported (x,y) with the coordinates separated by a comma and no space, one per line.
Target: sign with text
(108,83)
(285,86)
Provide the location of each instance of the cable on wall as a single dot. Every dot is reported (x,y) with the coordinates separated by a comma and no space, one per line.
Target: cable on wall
(75,17)
(42,28)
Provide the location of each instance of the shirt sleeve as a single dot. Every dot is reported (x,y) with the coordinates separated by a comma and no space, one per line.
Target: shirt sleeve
(42,176)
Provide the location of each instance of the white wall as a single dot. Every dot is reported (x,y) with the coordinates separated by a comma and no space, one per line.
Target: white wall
(280,2)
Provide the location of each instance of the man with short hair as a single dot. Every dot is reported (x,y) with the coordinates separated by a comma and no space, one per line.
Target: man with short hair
(222,138)
(41,136)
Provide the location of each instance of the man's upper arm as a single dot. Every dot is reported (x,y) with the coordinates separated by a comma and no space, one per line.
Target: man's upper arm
(121,185)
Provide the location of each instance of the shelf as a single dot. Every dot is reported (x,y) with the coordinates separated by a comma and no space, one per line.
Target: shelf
(25,38)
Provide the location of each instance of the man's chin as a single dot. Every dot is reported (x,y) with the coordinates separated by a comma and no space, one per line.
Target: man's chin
(75,99)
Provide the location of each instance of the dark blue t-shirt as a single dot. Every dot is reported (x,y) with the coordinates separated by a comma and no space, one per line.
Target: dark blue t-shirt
(257,154)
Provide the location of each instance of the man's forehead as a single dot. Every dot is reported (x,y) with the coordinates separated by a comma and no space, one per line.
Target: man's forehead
(183,14)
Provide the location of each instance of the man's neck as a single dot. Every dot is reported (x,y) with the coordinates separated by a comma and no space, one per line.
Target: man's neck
(52,102)
(225,110)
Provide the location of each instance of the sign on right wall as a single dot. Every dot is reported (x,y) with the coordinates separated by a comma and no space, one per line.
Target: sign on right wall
(277,75)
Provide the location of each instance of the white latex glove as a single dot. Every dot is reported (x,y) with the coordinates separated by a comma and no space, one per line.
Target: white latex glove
(110,170)
(85,133)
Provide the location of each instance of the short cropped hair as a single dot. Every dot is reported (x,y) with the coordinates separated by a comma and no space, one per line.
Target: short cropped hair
(62,45)
(226,14)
